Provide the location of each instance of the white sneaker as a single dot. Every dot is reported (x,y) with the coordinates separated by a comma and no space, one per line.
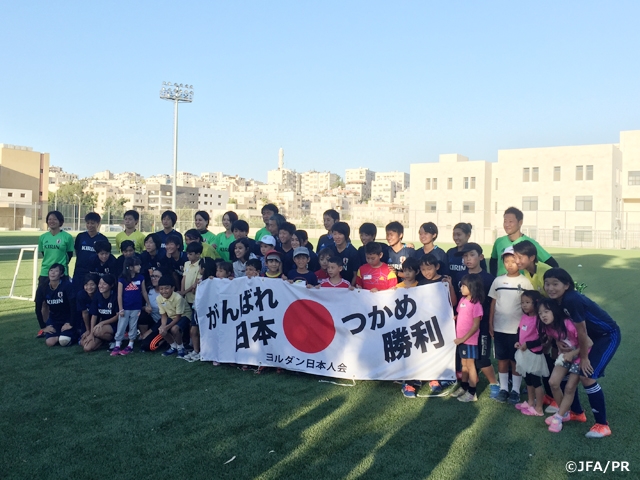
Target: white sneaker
(193,357)
(467,397)
(551,409)
(458,392)
(187,357)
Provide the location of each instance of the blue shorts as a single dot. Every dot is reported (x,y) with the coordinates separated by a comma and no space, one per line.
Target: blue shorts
(602,352)
(183,324)
(468,351)
(504,345)
(194,319)
(72,333)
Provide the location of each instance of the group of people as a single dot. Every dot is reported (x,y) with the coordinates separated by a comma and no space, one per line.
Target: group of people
(541,328)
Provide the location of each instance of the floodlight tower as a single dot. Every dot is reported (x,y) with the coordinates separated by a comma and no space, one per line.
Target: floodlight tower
(176,93)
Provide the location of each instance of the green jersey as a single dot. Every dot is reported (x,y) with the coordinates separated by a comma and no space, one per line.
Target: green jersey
(208,237)
(503,242)
(261,233)
(55,249)
(223,242)
(136,237)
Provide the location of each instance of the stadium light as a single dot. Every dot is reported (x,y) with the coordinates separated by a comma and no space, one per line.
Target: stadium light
(176,93)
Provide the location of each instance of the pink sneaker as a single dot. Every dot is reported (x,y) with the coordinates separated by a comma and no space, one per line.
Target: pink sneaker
(522,406)
(556,424)
(548,420)
(531,412)
(115,352)
(126,351)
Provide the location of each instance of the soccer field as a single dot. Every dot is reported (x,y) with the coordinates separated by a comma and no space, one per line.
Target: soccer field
(66,414)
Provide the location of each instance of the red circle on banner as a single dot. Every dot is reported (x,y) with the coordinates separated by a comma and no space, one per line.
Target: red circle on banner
(308,326)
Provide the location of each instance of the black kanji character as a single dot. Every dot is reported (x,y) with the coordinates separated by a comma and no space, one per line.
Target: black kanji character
(436,329)
(263,332)
(405,307)
(242,337)
(320,365)
(397,344)
(229,312)
(356,316)
(421,336)
(331,367)
(310,363)
(213,316)
(259,296)
(245,306)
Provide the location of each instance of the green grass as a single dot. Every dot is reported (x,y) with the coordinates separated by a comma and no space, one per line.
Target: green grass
(65,414)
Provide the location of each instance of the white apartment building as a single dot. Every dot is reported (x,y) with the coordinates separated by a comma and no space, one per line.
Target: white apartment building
(57,176)
(630,148)
(448,192)
(212,201)
(104,175)
(383,191)
(314,183)
(289,179)
(212,177)
(359,180)
(401,179)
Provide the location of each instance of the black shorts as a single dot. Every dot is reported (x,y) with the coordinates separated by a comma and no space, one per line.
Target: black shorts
(504,345)
(484,351)
(467,351)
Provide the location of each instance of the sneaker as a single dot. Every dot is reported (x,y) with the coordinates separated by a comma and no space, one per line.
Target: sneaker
(549,420)
(435,386)
(447,383)
(547,400)
(408,391)
(215,364)
(115,352)
(552,408)
(574,417)
(171,351)
(502,396)
(187,357)
(193,357)
(530,411)
(126,351)
(556,423)
(181,353)
(598,431)
(467,397)
(112,345)
(458,392)
(514,397)
(494,390)
(41,333)
(522,406)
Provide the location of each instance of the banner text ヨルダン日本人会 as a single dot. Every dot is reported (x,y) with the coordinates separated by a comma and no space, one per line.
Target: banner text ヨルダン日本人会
(398,334)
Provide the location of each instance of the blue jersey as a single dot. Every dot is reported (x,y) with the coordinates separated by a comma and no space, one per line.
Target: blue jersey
(350,261)
(104,308)
(163,237)
(457,268)
(149,264)
(61,301)
(119,269)
(326,241)
(439,254)
(132,292)
(580,308)
(396,258)
(110,266)
(309,277)
(83,301)
(85,253)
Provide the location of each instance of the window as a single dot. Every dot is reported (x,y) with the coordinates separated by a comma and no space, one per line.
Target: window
(449,183)
(634,178)
(449,207)
(219,196)
(473,183)
(525,174)
(10,194)
(589,172)
(583,234)
(529,204)
(465,183)
(22,195)
(579,172)
(434,183)
(556,204)
(427,184)
(556,174)
(584,204)
(468,207)
(534,174)
(556,234)
(429,207)
(496,183)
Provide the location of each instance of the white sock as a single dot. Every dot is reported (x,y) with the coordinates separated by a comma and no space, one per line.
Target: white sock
(130,344)
(174,345)
(118,343)
(180,347)
(516,382)
(504,381)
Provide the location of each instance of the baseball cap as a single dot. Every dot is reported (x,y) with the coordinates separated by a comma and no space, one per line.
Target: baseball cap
(469,247)
(268,240)
(508,251)
(273,255)
(300,251)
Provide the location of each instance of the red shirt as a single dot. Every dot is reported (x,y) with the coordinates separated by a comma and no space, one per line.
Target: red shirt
(327,283)
(321,274)
(381,277)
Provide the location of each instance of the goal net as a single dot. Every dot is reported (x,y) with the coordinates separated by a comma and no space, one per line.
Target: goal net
(25,275)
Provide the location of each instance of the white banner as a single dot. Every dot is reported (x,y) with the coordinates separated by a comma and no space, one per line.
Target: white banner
(402,334)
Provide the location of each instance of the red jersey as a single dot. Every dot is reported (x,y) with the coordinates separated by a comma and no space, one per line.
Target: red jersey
(381,277)
(321,274)
(327,283)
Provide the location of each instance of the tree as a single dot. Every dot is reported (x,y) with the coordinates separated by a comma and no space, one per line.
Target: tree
(114,209)
(68,193)
(338,183)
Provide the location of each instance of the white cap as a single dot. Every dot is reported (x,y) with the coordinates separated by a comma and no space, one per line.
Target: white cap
(268,240)
(508,251)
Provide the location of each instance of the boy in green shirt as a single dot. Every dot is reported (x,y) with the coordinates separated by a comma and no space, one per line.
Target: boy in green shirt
(131,218)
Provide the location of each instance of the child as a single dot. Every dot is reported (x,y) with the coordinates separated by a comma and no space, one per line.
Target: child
(274,264)
(169,219)
(335,279)
(471,254)
(151,259)
(285,233)
(131,219)
(240,230)
(104,263)
(268,211)
(104,314)
(457,267)
(224,239)
(84,247)
(592,324)
(344,250)
(300,238)
(253,268)
(58,308)
(504,318)
(530,361)
(301,273)
(323,259)
(375,275)
(224,270)
(201,220)
(127,250)
(266,244)
(176,317)
(467,331)
(428,234)
(368,232)
(429,266)
(329,218)
(131,291)
(243,253)
(398,252)
(411,269)
(193,271)
(194,236)
(208,268)
(174,258)
(84,298)
(527,260)
(553,324)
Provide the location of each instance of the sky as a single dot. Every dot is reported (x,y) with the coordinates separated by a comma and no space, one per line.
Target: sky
(336,84)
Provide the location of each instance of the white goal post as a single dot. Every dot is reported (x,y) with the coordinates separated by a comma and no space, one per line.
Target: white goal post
(34,284)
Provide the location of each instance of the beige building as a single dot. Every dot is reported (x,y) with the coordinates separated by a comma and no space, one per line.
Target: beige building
(359,180)
(315,183)
(212,201)
(630,180)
